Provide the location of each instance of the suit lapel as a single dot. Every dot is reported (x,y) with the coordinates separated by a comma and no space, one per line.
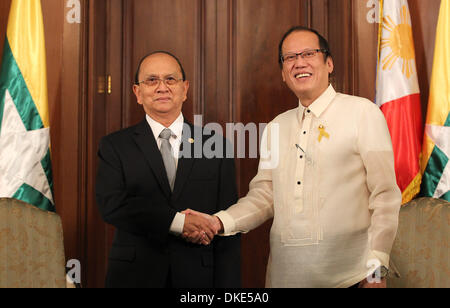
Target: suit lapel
(145,140)
(186,163)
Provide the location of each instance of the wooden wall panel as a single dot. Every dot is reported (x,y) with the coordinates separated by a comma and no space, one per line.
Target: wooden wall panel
(105,115)
(218,64)
(260,91)
(340,37)
(318,17)
(424,15)
(99,119)
(156,24)
(365,37)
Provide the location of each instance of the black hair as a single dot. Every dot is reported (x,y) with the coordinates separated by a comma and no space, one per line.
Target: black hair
(136,76)
(323,43)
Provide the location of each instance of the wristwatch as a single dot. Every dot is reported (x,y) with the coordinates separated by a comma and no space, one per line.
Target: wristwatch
(383,271)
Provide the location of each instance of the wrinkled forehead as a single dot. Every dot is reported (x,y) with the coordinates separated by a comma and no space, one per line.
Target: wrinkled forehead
(160,64)
(300,40)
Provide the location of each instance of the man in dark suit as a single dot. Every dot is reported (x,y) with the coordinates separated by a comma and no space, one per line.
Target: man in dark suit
(148,175)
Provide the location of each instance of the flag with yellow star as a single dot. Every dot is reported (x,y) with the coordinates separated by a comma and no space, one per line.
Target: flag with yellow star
(25,166)
(398,93)
(436,143)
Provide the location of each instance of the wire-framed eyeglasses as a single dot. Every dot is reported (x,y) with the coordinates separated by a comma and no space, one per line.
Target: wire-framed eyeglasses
(306,54)
(155,81)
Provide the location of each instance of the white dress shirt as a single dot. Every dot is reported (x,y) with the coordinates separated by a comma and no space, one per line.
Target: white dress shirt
(175,141)
(332,193)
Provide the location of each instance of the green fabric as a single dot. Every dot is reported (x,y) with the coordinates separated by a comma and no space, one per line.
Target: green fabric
(11,79)
(446,196)
(32,196)
(47,165)
(433,173)
(447,123)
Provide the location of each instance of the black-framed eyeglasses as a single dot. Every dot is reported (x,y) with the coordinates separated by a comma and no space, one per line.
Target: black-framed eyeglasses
(155,81)
(306,54)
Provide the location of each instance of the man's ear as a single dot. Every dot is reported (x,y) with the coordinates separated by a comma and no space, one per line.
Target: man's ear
(186,88)
(283,76)
(137,93)
(330,65)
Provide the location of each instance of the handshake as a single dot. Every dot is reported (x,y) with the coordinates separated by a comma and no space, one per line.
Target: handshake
(200,228)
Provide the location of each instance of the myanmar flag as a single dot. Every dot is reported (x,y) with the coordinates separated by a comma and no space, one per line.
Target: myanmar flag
(25,168)
(398,94)
(436,145)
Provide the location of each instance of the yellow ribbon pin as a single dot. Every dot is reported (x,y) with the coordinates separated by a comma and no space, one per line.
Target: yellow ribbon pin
(323,133)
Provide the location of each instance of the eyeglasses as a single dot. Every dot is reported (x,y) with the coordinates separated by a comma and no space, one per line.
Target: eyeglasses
(307,54)
(155,81)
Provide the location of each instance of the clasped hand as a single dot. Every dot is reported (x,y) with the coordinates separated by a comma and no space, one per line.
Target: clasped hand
(200,228)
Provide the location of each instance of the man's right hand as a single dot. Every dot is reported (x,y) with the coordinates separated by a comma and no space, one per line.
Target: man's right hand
(198,229)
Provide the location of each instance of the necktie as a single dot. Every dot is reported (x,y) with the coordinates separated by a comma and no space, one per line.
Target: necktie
(167,156)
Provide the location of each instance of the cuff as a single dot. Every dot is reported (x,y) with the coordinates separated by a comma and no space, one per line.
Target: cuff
(228,223)
(382,257)
(177,224)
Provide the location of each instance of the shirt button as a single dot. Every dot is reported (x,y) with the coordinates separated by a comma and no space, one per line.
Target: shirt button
(299,183)
(301,156)
(304,133)
(308,111)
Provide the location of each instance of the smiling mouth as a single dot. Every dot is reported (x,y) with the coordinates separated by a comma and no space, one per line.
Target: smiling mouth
(302,75)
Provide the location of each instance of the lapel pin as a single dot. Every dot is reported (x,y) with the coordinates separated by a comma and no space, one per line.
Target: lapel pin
(190,140)
(323,133)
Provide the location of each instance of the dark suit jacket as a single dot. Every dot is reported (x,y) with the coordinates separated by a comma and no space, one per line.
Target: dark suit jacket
(133,194)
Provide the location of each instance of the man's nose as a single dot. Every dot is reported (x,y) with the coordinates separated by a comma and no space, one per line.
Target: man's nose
(300,62)
(162,87)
